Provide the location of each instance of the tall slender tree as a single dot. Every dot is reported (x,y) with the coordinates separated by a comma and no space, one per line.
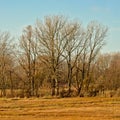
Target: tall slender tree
(6,61)
(28,57)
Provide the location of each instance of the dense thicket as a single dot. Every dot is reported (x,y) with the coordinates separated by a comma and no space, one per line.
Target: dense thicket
(57,57)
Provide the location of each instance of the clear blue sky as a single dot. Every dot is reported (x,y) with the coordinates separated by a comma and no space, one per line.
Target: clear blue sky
(16,14)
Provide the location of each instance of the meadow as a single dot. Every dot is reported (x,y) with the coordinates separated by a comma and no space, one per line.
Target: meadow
(92,108)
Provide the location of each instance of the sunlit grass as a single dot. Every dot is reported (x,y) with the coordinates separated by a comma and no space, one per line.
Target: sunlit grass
(60,109)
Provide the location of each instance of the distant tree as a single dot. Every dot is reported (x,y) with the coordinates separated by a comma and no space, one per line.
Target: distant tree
(6,61)
(113,73)
(101,70)
(52,39)
(95,34)
(28,57)
(94,41)
(74,48)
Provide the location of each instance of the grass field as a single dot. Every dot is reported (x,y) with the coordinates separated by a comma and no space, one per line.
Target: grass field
(60,109)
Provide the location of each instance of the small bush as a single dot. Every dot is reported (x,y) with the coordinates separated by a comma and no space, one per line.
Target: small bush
(117,93)
(66,93)
(110,93)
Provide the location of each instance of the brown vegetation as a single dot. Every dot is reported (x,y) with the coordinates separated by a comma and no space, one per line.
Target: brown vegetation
(60,109)
(58,57)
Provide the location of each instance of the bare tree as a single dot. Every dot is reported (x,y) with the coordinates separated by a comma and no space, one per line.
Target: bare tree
(80,68)
(74,48)
(28,57)
(6,61)
(96,34)
(113,73)
(53,35)
(93,42)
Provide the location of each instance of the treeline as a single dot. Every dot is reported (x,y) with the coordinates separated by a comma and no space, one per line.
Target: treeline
(57,57)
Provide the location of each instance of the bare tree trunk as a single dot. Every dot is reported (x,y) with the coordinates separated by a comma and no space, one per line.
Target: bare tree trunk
(11,84)
(3,87)
(57,87)
(3,79)
(69,78)
(53,87)
(69,73)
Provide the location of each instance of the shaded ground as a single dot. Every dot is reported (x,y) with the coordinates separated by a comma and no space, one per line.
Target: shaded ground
(60,109)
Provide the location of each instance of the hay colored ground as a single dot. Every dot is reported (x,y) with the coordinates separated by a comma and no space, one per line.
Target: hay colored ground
(60,109)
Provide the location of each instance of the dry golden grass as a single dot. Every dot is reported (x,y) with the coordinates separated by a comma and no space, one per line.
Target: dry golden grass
(60,109)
